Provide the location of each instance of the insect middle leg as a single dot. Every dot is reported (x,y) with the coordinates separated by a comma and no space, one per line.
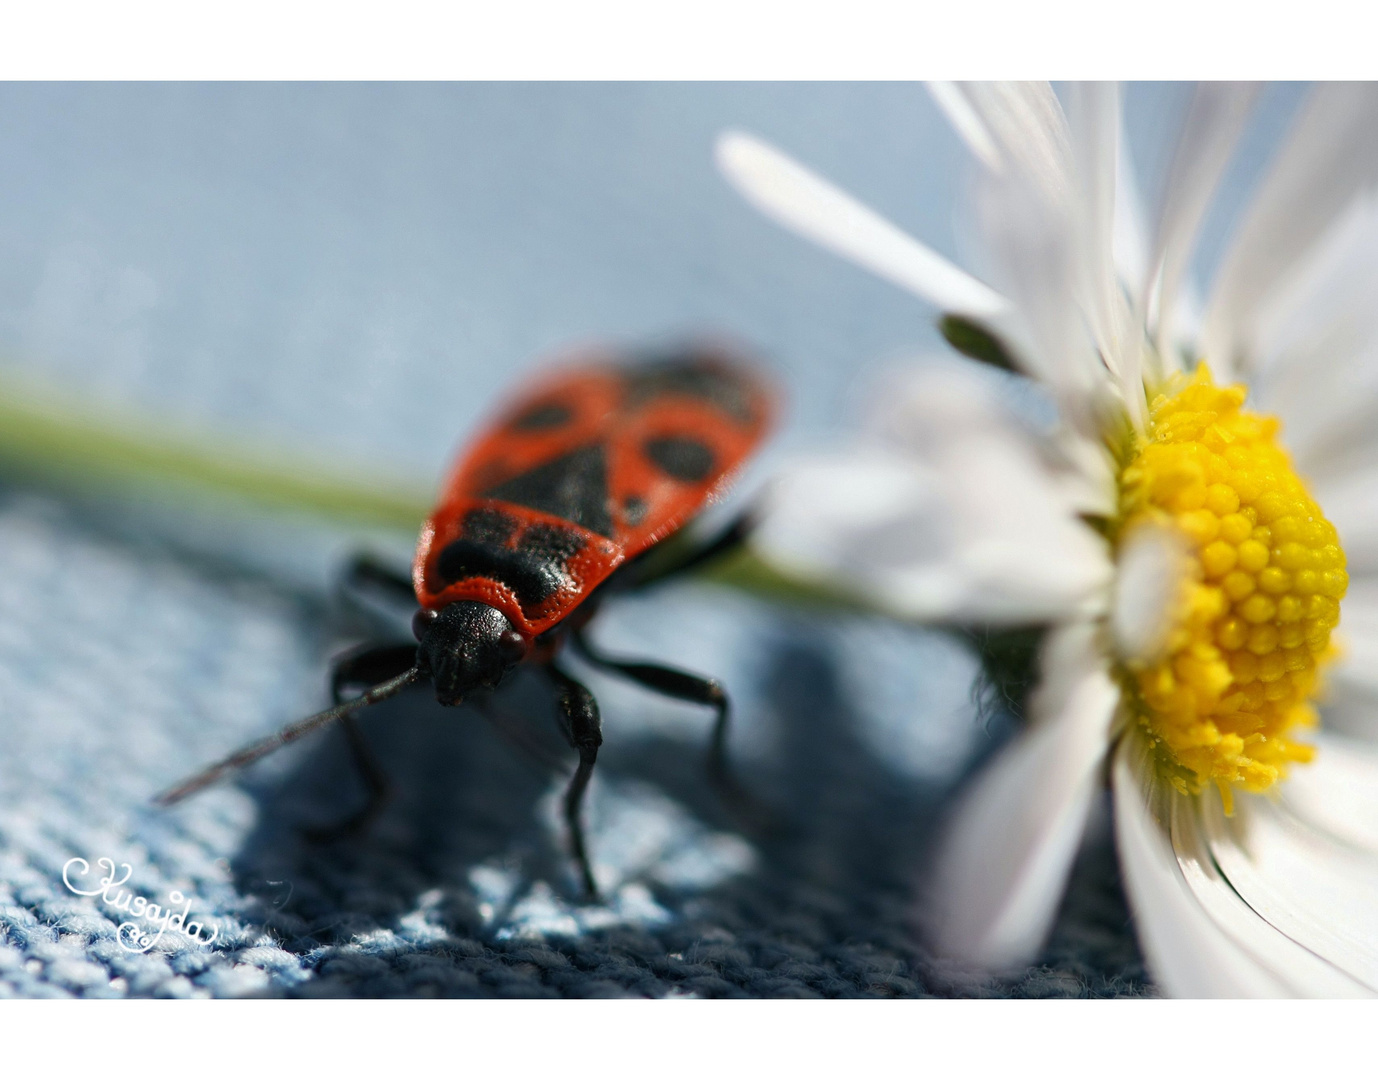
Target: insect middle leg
(364,667)
(652,569)
(583,730)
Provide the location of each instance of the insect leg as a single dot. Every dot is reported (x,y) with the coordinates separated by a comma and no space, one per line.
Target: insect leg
(676,684)
(367,574)
(660,568)
(369,665)
(583,730)
(700,691)
(364,667)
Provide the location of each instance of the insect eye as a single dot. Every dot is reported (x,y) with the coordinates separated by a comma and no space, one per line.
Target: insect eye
(512,646)
(421,622)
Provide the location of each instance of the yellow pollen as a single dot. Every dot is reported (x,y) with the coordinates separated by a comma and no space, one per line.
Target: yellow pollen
(1251,627)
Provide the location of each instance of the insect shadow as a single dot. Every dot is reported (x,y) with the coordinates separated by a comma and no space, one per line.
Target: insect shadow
(827,896)
(464,796)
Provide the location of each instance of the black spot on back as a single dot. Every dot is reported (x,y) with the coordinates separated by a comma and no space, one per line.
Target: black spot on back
(543,417)
(634,509)
(574,487)
(550,542)
(692,377)
(536,570)
(486,526)
(683,458)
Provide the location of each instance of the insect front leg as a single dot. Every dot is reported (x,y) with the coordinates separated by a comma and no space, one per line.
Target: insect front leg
(364,667)
(700,691)
(676,684)
(583,730)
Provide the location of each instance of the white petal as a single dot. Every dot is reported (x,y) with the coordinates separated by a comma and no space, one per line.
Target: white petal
(1331,154)
(1025,203)
(1131,225)
(944,401)
(1359,617)
(1214,122)
(1312,887)
(801,200)
(1035,262)
(1045,207)
(1338,793)
(954,519)
(1086,473)
(1004,862)
(965,121)
(1199,938)
(1153,565)
(1015,127)
(1351,504)
(1093,115)
(1315,352)
(1184,332)
(1350,705)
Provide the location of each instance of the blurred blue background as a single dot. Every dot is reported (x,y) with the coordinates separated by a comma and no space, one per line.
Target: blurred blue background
(355,272)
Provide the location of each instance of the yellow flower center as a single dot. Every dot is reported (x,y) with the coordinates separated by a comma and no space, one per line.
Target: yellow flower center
(1232,683)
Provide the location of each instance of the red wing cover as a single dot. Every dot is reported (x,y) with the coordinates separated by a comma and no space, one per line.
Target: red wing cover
(588,467)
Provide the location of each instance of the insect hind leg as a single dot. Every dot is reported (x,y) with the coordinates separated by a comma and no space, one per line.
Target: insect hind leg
(583,730)
(363,667)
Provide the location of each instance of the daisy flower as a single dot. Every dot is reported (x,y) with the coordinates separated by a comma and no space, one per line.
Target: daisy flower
(1183,528)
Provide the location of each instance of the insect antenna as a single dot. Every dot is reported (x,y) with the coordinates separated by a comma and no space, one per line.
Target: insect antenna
(247,755)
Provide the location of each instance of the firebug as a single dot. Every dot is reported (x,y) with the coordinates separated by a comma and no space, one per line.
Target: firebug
(555,505)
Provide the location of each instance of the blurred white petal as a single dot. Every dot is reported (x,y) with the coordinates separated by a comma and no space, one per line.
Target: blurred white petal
(1316,349)
(1153,564)
(804,202)
(1093,114)
(1131,225)
(1015,127)
(1351,504)
(1214,122)
(1330,155)
(1199,938)
(1350,705)
(1029,191)
(1351,700)
(964,119)
(925,407)
(1349,708)
(1009,848)
(959,521)
(1359,611)
(909,540)
(1085,473)
(1034,252)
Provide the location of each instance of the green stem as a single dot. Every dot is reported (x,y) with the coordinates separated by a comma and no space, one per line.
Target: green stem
(88,449)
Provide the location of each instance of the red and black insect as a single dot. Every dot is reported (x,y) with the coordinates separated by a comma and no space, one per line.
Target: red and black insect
(551,508)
